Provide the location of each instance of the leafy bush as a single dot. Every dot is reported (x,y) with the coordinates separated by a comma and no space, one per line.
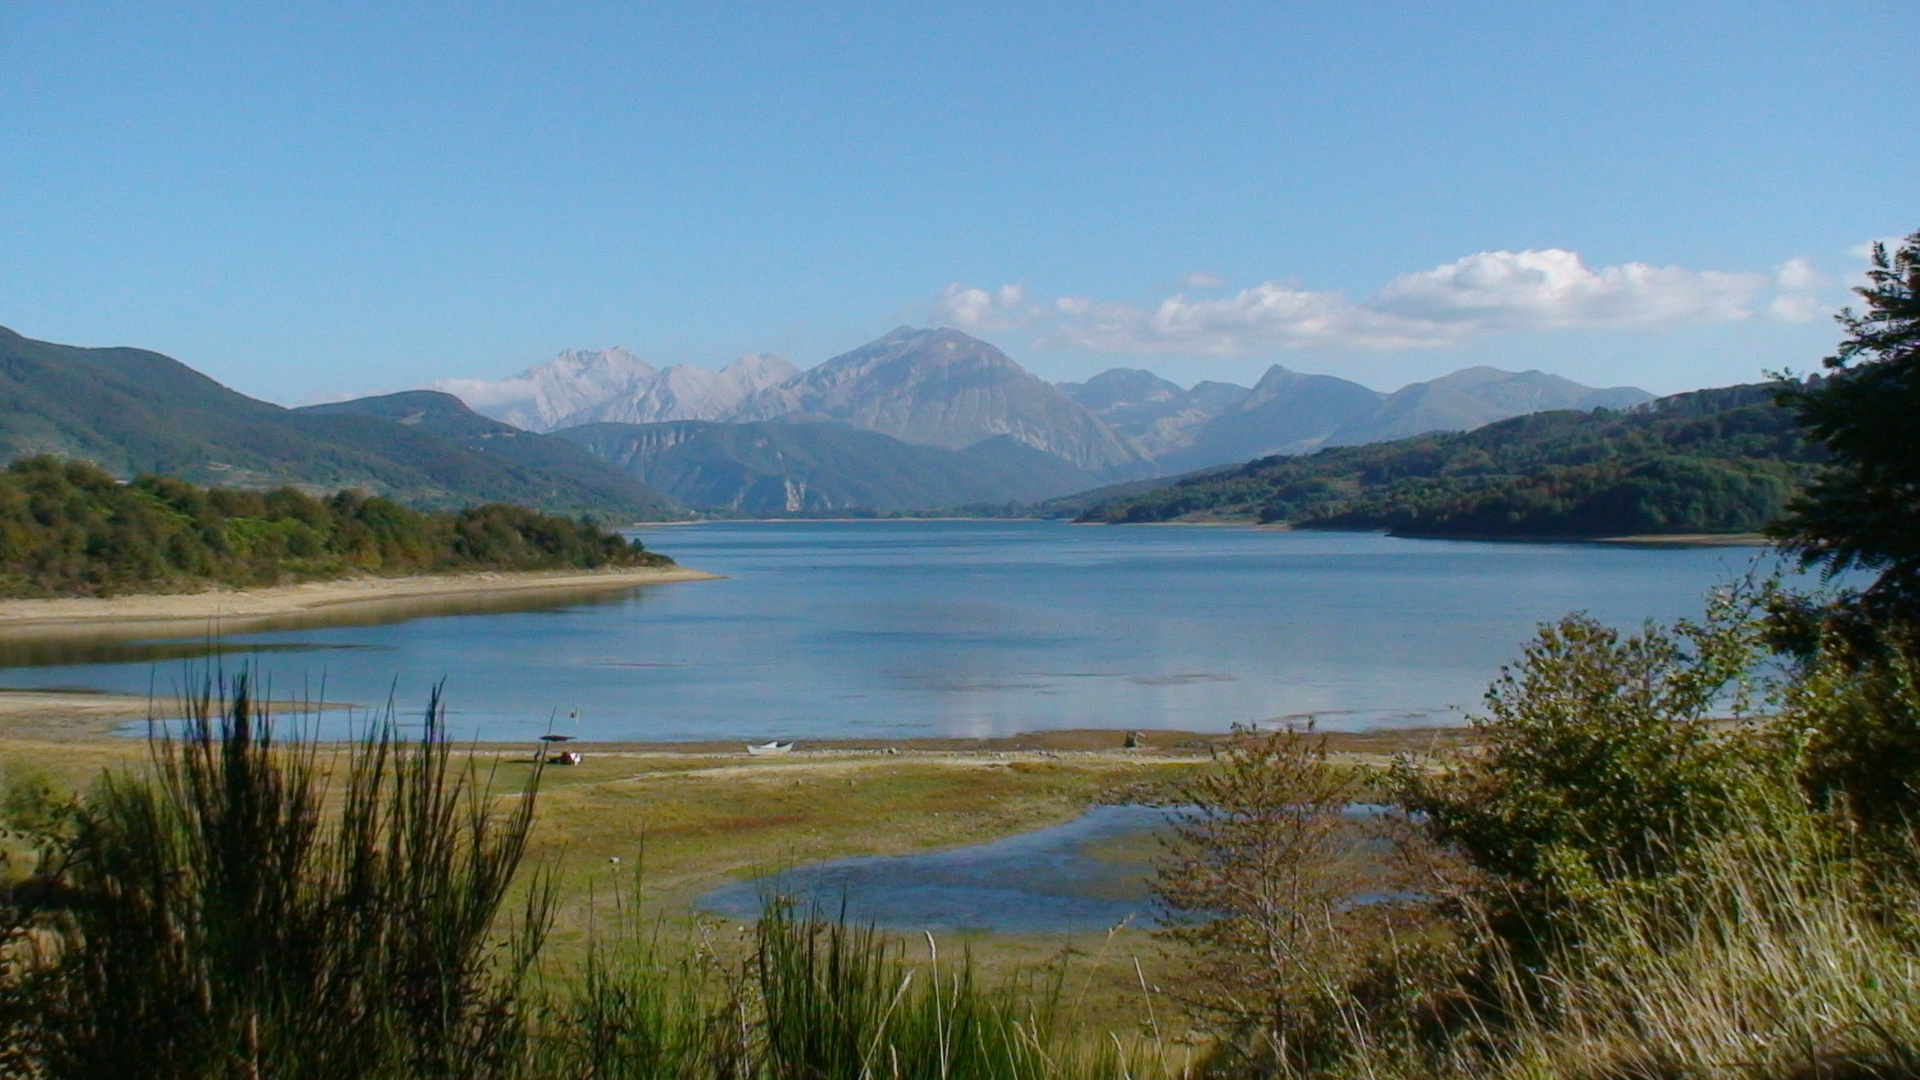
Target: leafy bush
(1856,718)
(1256,881)
(1603,758)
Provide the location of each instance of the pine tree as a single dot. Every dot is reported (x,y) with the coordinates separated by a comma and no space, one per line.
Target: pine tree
(1864,511)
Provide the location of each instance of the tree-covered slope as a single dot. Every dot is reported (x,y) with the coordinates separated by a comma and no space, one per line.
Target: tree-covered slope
(786,467)
(1713,461)
(134,411)
(68,528)
(557,473)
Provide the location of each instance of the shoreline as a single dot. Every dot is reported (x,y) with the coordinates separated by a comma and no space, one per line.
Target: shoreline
(69,715)
(218,611)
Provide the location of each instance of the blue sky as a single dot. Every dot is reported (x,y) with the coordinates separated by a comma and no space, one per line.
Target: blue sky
(311,200)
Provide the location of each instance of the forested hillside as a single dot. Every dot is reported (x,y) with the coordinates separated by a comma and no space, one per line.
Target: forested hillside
(68,528)
(1713,461)
(813,468)
(133,411)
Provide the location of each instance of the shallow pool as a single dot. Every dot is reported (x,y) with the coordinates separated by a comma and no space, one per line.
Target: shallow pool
(1088,874)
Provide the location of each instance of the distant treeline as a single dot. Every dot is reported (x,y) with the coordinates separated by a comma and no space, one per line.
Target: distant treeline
(1715,461)
(68,528)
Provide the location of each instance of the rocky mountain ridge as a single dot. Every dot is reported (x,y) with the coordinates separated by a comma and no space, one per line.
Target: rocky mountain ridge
(1288,412)
(944,388)
(582,386)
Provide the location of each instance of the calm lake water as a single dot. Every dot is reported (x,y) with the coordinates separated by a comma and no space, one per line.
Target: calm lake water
(967,628)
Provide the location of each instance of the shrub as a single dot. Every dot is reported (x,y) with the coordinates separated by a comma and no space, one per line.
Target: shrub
(215,918)
(1256,880)
(1604,758)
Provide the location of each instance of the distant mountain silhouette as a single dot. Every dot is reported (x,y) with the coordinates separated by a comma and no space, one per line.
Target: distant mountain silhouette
(1290,413)
(567,472)
(944,388)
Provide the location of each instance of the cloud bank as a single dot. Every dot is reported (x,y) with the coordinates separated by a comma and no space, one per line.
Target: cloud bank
(1489,292)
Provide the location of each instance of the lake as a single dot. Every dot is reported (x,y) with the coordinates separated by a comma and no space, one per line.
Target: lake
(893,629)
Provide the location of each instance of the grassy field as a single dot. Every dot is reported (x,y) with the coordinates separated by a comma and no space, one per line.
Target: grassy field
(674,821)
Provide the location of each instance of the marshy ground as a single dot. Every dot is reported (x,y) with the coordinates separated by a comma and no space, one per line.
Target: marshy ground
(672,821)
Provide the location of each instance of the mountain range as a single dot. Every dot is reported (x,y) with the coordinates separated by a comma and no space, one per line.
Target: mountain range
(942,388)
(918,419)
(822,467)
(613,385)
(1287,412)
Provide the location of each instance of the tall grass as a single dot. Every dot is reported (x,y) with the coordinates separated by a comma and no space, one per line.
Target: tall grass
(818,998)
(1778,955)
(230,913)
(1779,958)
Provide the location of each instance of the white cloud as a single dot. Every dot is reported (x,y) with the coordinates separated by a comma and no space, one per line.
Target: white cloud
(1797,275)
(1200,279)
(1485,293)
(967,308)
(1553,289)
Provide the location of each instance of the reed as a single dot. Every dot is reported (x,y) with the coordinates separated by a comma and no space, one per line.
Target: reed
(1780,958)
(818,998)
(227,914)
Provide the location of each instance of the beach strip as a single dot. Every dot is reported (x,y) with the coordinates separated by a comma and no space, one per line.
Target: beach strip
(225,611)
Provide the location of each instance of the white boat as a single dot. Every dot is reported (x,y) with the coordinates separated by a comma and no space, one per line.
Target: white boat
(769,748)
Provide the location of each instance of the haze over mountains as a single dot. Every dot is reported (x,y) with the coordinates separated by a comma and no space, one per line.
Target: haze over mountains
(814,467)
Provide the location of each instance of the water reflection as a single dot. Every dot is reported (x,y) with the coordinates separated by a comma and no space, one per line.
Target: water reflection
(61,651)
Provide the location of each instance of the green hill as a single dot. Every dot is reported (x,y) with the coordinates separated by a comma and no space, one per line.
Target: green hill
(557,473)
(135,411)
(1713,461)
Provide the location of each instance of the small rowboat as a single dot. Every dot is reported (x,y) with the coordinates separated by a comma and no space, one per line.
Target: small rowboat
(769,748)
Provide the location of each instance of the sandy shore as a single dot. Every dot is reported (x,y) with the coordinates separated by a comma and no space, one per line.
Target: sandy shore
(375,599)
(1692,540)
